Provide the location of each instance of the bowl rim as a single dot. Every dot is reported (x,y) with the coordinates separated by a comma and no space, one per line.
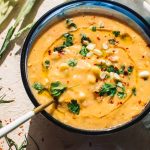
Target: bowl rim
(145,111)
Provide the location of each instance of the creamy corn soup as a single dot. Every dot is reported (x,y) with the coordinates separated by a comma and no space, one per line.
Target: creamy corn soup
(96,69)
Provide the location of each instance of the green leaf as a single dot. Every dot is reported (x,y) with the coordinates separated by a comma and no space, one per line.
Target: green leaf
(84,51)
(57,89)
(122,69)
(111,68)
(59,48)
(116,33)
(85,39)
(74,107)
(121,95)
(6,6)
(38,86)
(108,90)
(112,41)
(134,91)
(72,62)
(7,40)
(68,40)
(70,23)
(93,28)
(24,11)
(2,101)
(130,69)
(46,64)
(28,27)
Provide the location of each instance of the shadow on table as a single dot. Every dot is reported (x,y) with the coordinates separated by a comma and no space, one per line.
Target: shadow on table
(44,135)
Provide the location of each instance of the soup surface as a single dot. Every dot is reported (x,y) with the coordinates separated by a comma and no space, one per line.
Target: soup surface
(95,68)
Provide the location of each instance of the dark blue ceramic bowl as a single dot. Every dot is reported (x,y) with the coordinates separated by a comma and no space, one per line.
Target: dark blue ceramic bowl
(101,7)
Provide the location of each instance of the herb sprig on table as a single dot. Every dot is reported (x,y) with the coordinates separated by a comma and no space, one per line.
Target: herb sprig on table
(23,13)
(12,144)
(2,100)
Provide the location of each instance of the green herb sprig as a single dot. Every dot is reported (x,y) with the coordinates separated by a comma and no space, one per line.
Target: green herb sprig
(68,42)
(116,33)
(57,89)
(70,23)
(24,11)
(74,107)
(2,100)
(72,62)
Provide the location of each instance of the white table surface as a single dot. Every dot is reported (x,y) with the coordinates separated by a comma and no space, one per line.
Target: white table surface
(42,134)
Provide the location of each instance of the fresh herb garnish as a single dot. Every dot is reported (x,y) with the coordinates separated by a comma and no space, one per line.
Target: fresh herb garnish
(134,91)
(112,41)
(121,95)
(70,23)
(122,69)
(74,107)
(72,62)
(116,33)
(84,39)
(59,48)
(57,89)
(93,28)
(39,87)
(108,90)
(84,51)
(46,64)
(111,68)
(68,40)
(130,69)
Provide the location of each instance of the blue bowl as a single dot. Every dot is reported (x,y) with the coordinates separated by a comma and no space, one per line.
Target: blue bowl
(65,10)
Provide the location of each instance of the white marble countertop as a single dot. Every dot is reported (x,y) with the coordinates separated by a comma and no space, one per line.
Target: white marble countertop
(42,134)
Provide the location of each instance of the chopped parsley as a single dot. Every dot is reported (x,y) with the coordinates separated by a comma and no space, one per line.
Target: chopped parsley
(93,28)
(59,48)
(121,95)
(130,69)
(74,107)
(38,86)
(112,41)
(84,51)
(108,90)
(72,62)
(68,42)
(84,39)
(70,23)
(111,68)
(134,91)
(57,89)
(116,33)
(122,69)
(46,64)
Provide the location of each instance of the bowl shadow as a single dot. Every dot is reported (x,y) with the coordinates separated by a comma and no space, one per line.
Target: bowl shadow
(44,135)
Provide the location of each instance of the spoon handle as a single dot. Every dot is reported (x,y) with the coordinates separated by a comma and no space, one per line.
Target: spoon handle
(13,125)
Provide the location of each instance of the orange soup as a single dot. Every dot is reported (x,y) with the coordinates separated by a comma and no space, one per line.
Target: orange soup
(95,68)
